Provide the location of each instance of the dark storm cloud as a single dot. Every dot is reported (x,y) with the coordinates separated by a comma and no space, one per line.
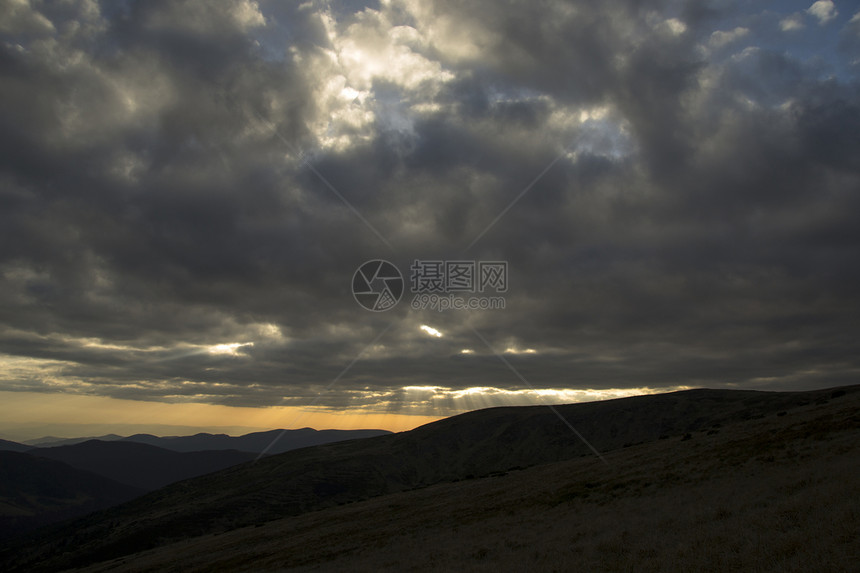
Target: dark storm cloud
(165,173)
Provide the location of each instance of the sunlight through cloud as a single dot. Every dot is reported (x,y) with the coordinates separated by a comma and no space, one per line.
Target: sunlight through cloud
(231,348)
(431,331)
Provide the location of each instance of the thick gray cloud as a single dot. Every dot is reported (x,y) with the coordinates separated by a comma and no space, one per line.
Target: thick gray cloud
(172,177)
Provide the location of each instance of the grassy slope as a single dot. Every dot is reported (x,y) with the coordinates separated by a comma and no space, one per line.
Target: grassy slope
(779,493)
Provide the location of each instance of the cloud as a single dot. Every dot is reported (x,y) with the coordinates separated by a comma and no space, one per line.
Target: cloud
(174,180)
(790,23)
(676,26)
(431,331)
(722,38)
(824,10)
(19,16)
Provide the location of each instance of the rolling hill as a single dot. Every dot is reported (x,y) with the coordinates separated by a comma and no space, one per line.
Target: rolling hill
(53,441)
(7,446)
(36,491)
(490,442)
(778,493)
(273,441)
(141,465)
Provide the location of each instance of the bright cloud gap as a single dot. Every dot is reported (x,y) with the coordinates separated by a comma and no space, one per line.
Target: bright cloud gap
(231,348)
(431,331)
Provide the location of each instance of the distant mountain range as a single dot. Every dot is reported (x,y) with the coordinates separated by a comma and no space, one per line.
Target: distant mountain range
(45,485)
(7,446)
(489,442)
(53,441)
(272,441)
(86,474)
(37,491)
(771,493)
(141,465)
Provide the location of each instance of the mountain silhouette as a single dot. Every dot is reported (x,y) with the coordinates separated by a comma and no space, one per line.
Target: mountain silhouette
(771,493)
(472,445)
(272,441)
(53,441)
(36,491)
(141,465)
(7,446)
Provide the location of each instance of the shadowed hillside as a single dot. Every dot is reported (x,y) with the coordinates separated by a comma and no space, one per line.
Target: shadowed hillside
(273,441)
(36,491)
(53,441)
(7,446)
(140,465)
(475,444)
(778,493)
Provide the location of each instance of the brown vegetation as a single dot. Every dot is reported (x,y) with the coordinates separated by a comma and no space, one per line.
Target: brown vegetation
(776,492)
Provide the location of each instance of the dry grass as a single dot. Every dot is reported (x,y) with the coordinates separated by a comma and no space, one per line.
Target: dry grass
(774,494)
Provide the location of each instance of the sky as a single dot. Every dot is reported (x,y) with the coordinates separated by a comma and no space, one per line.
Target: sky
(188,190)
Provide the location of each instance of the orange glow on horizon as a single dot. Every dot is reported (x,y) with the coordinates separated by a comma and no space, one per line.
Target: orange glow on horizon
(33,408)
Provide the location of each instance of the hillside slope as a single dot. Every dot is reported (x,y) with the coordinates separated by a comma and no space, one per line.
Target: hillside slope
(779,493)
(140,465)
(53,441)
(7,446)
(475,444)
(36,491)
(272,441)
